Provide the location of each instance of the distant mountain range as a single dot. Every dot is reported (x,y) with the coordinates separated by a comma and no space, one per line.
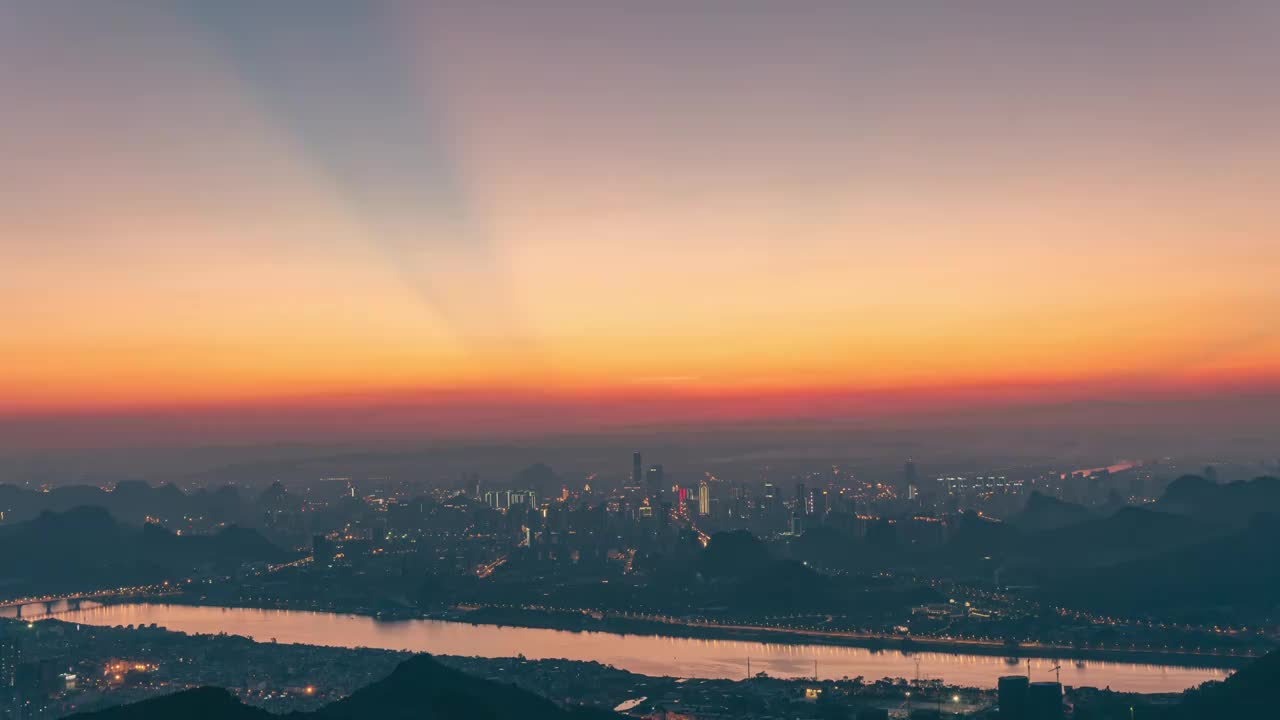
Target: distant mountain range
(418,689)
(86,547)
(1202,548)
(1230,504)
(130,501)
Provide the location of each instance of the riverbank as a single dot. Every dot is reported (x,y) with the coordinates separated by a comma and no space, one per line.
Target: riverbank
(620,624)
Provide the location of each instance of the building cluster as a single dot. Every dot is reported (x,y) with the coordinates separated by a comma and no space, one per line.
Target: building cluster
(1020,699)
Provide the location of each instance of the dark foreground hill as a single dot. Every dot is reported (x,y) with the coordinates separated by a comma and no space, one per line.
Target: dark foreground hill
(419,688)
(205,703)
(1248,693)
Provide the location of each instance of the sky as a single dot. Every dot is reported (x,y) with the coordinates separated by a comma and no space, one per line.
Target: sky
(564,215)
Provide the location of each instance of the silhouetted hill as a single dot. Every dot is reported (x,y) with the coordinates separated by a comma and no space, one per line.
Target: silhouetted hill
(205,703)
(130,501)
(419,689)
(1227,504)
(86,547)
(1247,693)
(1128,534)
(824,546)
(540,478)
(1044,512)
(736,553)
(1236,573)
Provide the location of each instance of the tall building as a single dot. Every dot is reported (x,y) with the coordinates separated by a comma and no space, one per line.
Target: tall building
(704,499)
(909,476)
(637,471)
(655,481)
(10,658)
(802,499)
(797,524)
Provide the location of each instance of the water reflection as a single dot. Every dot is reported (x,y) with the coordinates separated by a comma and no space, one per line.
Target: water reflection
(649,655)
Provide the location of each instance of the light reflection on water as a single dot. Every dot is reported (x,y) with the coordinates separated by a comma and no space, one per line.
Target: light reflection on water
(645,654)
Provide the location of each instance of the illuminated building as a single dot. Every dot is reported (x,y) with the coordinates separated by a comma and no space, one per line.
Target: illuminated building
(10,656)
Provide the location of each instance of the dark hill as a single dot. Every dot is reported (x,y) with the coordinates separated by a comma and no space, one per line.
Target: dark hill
(1230,504)
(86,547)
(419,688)
(1129,534)
(206,703)
(423,688)
(1044,512)
(736,553)
(130,501)
(540,478)
(1248,693)
(1232,574)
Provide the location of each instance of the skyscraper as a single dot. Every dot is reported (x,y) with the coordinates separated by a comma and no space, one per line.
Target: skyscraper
(637,471)
(655,483)
(704,499)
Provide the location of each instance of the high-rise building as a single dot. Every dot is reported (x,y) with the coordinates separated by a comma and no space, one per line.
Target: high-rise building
(523,497)
(655,481)
(704,499)
(637,471)
(797,524)
(10,657)
(802,499)
(909,476)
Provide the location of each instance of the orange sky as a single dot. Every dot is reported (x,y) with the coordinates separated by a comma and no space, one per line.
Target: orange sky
(226,207)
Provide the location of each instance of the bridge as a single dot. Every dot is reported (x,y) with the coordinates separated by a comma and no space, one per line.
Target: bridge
(72,601)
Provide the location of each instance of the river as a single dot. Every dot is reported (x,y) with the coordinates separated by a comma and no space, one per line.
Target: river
(645,654)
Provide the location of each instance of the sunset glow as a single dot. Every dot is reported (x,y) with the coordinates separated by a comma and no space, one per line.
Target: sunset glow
(829,213)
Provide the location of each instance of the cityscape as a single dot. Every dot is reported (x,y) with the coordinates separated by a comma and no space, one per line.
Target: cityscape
(961,588)
(665,360)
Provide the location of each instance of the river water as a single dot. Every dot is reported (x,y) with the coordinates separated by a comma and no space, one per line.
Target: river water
(645,654)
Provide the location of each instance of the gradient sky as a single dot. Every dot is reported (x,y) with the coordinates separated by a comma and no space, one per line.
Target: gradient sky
(229,206)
